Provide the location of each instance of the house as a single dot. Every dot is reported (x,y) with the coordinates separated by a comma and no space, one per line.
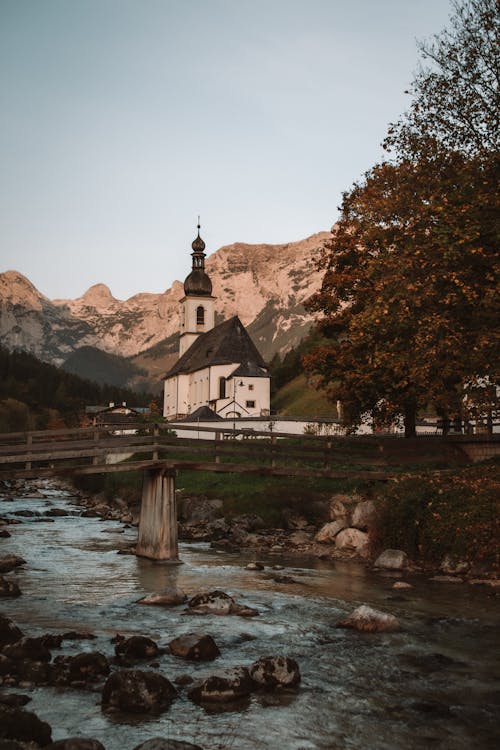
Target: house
(119,418)
(219,367)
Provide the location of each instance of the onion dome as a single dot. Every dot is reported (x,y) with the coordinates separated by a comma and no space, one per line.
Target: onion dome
(198,282)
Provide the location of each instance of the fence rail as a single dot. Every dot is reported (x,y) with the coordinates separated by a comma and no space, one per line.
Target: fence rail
(139,446)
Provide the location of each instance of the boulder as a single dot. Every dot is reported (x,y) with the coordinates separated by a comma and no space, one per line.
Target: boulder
(254,566)
(8,588)
(88,667)
(327,534)
(452,565)
(37,672)
(9,562)
(194,647)
(17,724)
(5,534)
(363,515)
(27,649)
(160,743)
(15,700)
(224,687)
(76,743)
(275,672)
(368,620)
(392,559)
(341,508)
(218,603)
(200,509)
(169,598)
(136,647)
(401,585)
(352,540)
(299,538)
(138,692)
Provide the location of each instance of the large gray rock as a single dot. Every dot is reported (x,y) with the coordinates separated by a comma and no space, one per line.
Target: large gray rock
(452,565)
(392,559)
(193,509)
(88,667)
(341,508)
(137,692)
(363,515)
(275,671)
(224,687)
(218,603)
(327,534)
(194,647)
(27,649)
(368,620)
(353,540)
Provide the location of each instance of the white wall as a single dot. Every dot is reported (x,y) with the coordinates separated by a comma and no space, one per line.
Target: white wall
(189,328)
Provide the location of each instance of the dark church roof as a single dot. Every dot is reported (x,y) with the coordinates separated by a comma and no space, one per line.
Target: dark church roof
(198,282)
(226,343)
(203,413)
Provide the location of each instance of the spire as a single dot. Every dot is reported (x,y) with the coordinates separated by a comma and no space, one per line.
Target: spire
(198,283)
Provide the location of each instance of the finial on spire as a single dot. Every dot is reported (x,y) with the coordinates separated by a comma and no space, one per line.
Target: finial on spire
(199,225)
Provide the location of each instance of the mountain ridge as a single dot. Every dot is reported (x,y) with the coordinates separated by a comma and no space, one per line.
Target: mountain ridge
(266,285)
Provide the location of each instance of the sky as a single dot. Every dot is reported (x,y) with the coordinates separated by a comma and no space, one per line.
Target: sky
(121,121)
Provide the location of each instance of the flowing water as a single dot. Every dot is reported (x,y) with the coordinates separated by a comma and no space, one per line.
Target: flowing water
(431,685)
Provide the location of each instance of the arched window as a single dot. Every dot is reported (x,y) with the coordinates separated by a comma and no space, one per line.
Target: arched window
(200,316)
(222,387)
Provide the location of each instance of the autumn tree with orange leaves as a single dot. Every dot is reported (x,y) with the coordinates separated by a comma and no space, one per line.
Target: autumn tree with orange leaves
(409,296)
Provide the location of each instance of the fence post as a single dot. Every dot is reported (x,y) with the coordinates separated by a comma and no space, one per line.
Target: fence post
(273,456)
(95,438)
(328,456)
(216,448)
(156,432)
(29,442)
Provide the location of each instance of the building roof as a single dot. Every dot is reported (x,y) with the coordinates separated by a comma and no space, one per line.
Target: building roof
(226,343)
(203,413)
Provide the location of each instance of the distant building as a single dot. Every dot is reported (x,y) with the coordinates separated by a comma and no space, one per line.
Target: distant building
(116,417)
(219,367)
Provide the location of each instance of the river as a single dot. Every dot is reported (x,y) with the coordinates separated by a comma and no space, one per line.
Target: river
(431,685)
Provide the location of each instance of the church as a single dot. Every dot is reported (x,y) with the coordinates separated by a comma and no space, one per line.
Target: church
(219,373)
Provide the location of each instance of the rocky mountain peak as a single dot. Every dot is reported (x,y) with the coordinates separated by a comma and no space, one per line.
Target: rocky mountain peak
(16,289)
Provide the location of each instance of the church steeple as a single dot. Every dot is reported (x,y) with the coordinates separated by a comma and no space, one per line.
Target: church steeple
(198,305)
(198,283)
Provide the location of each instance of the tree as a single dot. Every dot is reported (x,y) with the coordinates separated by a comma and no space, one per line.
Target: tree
(456,101)
(409,298)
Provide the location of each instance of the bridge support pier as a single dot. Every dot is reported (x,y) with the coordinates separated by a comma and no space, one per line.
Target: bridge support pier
(158,519)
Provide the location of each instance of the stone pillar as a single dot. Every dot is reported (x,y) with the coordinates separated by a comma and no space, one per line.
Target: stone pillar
(158,520)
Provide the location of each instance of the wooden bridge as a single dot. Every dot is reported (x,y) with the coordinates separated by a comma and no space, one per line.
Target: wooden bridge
(160,454)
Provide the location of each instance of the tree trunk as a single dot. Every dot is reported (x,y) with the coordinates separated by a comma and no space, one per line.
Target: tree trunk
(410,419)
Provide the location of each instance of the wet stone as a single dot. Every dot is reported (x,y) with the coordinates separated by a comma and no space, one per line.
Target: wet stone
(194,647)
(368,620)
(8,588)
(223,687)
(9,562)
(17,724)
(31,649)
(15,700)
(160,743)
(76,743)
(275,671)
(136,691)
(88,667)
(136,647)
(9,632)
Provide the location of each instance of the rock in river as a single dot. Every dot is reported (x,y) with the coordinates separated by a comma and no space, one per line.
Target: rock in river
(226,686)
(9,632)
(136,647)
(275,671)
(138,692)
(368,620)
(9,588)
(194,647)
(218,603)
(160,743)
(168,598)
(17,724)
(9,562)
(392,559)
(75,743)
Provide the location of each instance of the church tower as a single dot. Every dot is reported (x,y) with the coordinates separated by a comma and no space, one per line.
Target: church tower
(197,305)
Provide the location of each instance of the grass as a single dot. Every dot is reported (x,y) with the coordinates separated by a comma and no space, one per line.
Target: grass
(297,398)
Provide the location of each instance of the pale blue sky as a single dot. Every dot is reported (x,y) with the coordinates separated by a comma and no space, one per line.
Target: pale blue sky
(121,120)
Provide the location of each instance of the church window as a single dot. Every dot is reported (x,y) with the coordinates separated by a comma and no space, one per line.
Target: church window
(250,404)
(222,387)
(200,315)
(250,387)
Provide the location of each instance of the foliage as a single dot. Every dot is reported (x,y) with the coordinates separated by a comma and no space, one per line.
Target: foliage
(433,514)
(49,396)
(102,367)
(456,103)
(409,298)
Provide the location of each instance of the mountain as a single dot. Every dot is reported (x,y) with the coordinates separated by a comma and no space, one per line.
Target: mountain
(266,285)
